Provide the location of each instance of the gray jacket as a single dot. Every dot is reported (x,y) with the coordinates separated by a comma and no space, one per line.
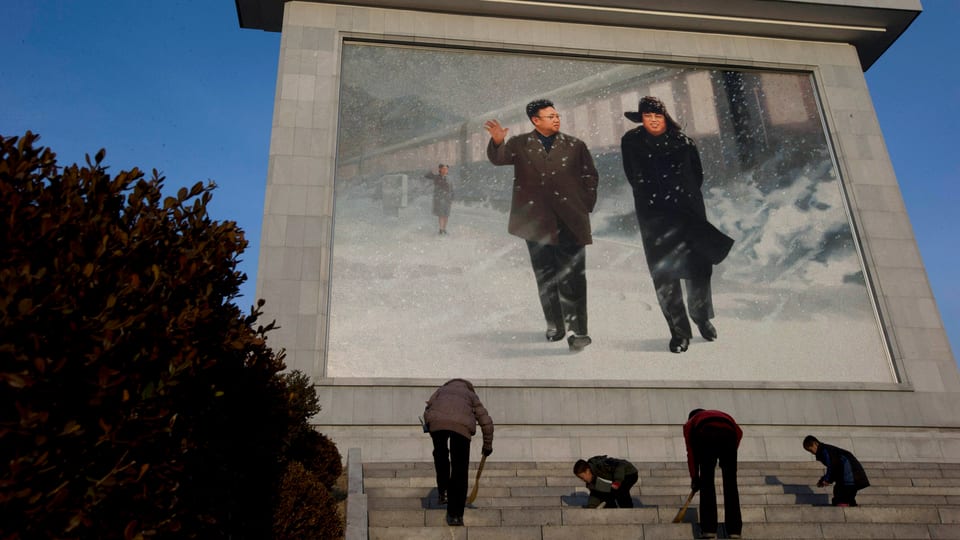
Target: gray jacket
(456,407)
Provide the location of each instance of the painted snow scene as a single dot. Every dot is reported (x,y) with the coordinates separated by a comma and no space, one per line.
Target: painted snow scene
(791,300)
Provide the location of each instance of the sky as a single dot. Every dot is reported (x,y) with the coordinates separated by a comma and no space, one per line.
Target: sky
(179,87)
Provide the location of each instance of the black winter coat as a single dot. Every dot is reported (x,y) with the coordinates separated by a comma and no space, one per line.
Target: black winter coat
(842,467)
(666,176)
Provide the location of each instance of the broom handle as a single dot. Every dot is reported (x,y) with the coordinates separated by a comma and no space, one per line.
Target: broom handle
(683,510)
(476,483)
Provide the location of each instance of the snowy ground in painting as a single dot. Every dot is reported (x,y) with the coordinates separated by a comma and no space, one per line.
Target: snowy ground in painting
(406,302)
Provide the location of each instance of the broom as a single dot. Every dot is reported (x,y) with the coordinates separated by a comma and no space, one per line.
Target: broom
(476,483)
(683,511)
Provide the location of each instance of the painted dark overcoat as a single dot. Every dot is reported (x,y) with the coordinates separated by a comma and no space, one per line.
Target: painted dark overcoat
(666,176)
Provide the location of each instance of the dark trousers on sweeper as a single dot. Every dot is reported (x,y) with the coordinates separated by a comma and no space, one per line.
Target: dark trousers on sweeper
(712,445)
(451,459)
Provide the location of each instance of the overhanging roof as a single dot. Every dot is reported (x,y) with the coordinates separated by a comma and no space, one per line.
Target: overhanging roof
(869,25)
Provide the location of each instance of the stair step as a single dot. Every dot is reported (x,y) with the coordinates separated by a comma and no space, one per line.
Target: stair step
(669,531)
(520,500)
(584,516)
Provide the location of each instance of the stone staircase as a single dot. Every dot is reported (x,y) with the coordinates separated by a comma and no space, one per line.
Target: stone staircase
(542,501)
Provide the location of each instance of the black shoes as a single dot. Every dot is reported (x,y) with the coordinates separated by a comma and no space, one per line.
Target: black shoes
(707,330)
(578,343)
(454,521)
(554,334)
(679,344)
(442,498)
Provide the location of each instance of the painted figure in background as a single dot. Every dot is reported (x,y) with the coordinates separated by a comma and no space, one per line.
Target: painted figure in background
(554,191)
(663,168)
(713,437)
(442,195)
(844,471)
(608,479)
(451,417)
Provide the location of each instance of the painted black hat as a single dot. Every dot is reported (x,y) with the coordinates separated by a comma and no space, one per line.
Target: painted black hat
(647,104)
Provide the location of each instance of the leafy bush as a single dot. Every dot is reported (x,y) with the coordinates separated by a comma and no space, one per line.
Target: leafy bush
(312,449)
(136,400)
(305,508)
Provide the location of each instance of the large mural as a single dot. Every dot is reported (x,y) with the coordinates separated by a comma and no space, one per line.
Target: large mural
(414,295)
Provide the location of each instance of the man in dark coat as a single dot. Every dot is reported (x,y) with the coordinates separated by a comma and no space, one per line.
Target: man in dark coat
(663,168)
(451,416)
(844,471)
(608,479)
(713,437)
(554,191)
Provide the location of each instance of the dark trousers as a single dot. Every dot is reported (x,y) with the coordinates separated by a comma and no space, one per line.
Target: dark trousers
(710,446)
(451,464)
(561,282)
(619,498)
(699,301)
(844,495)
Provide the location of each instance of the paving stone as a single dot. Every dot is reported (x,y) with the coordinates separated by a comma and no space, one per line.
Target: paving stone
(486,517)
(396,518)
(504,533)
(669,531)
(854,531)
(949,515)
(782,531)
(546,491)
(417,533)
(531,516)
(945,531)
(605,532)
(513,502)
(909,514)
(803,514)
(609,516)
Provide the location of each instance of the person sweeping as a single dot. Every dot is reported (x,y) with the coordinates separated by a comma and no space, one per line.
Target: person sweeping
(451,417)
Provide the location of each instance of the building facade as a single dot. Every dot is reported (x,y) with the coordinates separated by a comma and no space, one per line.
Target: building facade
(827,322)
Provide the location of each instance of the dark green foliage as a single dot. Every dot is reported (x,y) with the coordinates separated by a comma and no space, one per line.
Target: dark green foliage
(312,449)
(302,398)
(305,508)
(136,400)
(319,455)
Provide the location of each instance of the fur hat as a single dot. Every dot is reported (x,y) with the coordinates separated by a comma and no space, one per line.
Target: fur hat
(647,104)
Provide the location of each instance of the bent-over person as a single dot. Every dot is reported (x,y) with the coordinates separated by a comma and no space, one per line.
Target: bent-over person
(608,479)
(452,415)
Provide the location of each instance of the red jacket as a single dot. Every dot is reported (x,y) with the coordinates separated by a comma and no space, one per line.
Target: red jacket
(716,418)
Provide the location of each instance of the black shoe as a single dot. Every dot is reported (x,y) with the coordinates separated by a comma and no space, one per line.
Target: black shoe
(578,343)
(679,344)
(455,521)
(707,330)
(555,335)
(442,498)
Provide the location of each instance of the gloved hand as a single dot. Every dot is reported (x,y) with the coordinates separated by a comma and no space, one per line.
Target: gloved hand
(487,451)
(695,485)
